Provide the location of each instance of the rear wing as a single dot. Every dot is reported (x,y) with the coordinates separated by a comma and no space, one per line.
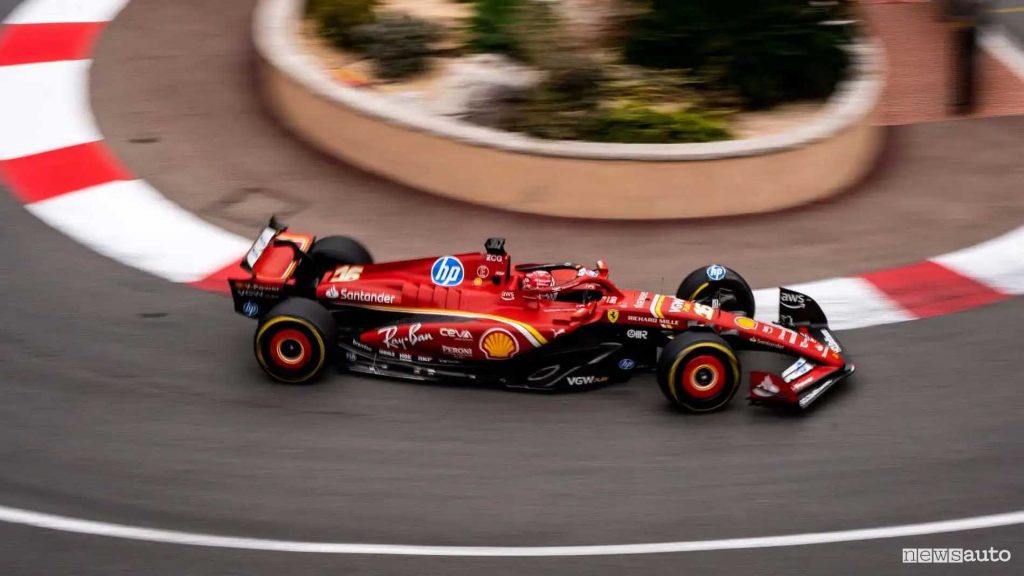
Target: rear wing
(258,247)
(274,261)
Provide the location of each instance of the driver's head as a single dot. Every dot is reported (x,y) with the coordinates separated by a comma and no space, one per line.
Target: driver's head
(538,281)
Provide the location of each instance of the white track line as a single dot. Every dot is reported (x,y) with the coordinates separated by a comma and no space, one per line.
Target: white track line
(49,11)
(79,526)
(996,263)
(130,222)
(45,107)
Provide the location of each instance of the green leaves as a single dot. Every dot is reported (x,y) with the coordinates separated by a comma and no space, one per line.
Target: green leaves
(768,52)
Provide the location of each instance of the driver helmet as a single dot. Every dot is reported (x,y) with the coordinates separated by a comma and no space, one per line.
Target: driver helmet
(538,281)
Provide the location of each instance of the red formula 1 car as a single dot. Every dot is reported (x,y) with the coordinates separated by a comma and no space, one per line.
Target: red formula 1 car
(477,318)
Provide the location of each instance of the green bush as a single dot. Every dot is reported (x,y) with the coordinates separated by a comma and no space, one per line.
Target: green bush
(489,28)
(768,52)
(560,107)
(534,30)
(399,44)
(336,19)
(641,125)
(549,114)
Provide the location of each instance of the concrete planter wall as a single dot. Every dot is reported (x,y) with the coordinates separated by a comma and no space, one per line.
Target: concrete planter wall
(576,179)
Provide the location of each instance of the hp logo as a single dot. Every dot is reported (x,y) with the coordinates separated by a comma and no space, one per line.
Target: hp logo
(715,272)
(626,364)
(447,271)
(251,309)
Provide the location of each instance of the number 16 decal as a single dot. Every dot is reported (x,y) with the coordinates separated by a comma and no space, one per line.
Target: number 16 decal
(346,273)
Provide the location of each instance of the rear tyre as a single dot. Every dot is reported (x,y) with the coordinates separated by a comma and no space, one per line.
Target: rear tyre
(295,341)
(704,285)
(332,251)
(698,372)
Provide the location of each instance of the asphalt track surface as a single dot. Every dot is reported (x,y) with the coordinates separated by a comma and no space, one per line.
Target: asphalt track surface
(1010,15)
(131,400)
(128,399)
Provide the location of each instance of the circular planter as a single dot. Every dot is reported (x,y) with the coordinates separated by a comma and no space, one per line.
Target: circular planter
(459,160)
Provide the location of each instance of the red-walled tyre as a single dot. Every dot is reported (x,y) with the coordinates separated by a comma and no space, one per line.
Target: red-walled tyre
(295,341)
(698,372)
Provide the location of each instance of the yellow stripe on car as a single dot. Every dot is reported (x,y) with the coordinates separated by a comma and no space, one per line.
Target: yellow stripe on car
(656,307)
(531,333)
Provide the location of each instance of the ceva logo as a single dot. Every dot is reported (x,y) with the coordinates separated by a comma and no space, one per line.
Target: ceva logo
(447,271)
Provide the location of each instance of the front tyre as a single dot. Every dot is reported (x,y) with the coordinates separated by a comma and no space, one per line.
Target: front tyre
(698,372)
(716,282)
(295,340)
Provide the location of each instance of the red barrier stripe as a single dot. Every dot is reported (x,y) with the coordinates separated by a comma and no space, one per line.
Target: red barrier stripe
(930,289)
(48,174)
(218,281)
(30,43)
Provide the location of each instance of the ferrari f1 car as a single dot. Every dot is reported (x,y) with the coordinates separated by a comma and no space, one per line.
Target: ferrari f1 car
(477,318)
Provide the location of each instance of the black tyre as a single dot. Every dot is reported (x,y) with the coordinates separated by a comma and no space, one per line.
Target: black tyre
(715,281)
(333,251)
(699,372)
(295,341)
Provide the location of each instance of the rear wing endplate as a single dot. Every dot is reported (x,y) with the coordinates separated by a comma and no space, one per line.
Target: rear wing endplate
(262,241)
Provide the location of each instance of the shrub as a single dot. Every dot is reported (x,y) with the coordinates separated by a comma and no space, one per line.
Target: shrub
(490,26)
(337,19)
(562,104)
(398,44)
(546,113)
(768,52)
(575,76)
(642,125)
(535,32)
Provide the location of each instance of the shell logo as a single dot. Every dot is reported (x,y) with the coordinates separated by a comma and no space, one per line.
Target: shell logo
(498,344)
(744,322)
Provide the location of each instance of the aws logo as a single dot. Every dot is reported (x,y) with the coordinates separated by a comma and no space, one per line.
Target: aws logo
(498,344)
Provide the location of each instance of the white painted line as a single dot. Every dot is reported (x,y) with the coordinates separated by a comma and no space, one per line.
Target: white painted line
(51,11)
(998,263)
(132,223)
(46,107)
(79,526)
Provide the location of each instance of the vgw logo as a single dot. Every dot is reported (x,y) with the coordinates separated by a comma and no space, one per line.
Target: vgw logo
(585,380)
(447,271)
